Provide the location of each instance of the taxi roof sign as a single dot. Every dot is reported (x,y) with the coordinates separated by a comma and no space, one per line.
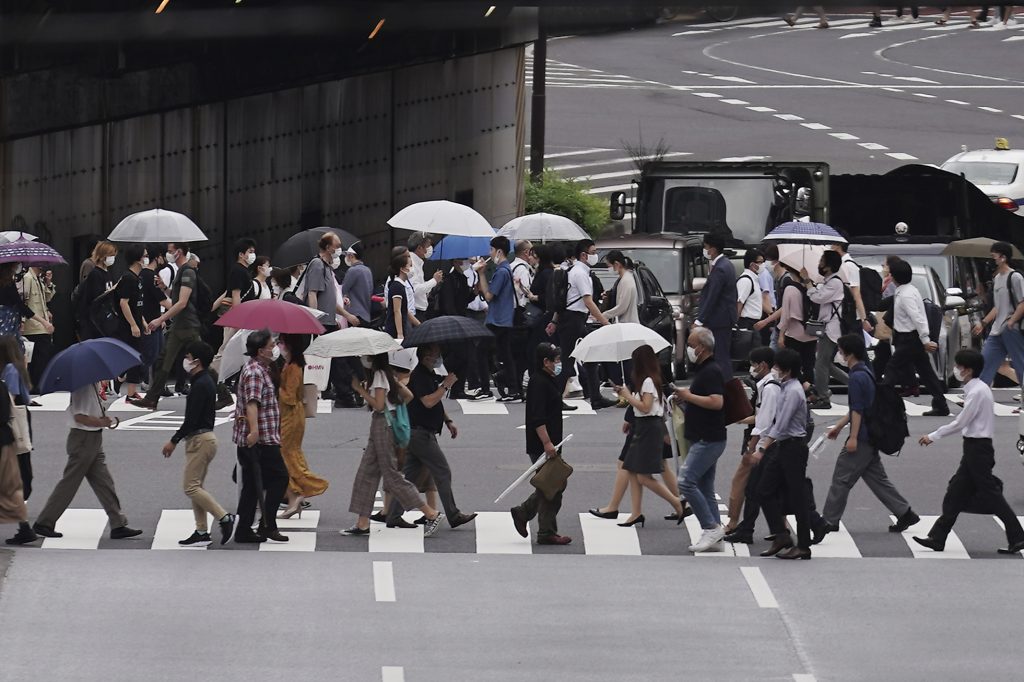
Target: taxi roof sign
(1002,144)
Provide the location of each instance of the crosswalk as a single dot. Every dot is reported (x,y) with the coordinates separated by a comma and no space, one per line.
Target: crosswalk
(855,26)
(491,533)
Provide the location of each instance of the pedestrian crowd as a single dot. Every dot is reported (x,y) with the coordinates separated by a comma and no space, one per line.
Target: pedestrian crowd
(1003,16)
(797,332)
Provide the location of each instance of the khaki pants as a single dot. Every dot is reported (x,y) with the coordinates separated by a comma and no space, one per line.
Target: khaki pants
(199,452)
(86,461)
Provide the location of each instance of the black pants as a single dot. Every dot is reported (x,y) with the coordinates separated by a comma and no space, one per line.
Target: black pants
(752,499)
(505,379)
(787,473)
(909,355)
(264,482)
(572,326)
(883,353)
(41,355)
(425,453)
(974,487)
(808,351)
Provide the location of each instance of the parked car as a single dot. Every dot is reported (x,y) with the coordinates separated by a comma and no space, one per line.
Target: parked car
(654,309)
(677,263)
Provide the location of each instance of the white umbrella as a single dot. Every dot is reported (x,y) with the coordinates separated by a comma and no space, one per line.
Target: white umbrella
(442,217)
(157,225)
(802,256)
(616,342)
(353,342)
(15,235)
(543,227)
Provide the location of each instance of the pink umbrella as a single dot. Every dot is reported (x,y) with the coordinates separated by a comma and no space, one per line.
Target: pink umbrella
(278,316)
(29,252)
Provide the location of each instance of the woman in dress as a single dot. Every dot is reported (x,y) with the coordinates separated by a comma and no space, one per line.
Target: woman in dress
(645,453)
(400,317)
(302,482)
(382,395)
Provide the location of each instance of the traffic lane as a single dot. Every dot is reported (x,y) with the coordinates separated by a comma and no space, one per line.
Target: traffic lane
(903,620)
(979,56)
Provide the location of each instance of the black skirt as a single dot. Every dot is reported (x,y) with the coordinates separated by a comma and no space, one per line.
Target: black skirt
(644,453)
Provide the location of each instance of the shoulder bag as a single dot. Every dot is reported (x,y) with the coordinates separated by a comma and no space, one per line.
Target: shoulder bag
(19,426)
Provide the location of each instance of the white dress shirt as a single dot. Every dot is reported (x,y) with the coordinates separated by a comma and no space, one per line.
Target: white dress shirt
(748,292)
(580,285)
(478,304)
(908,312)
(977,419)
(85,401)
(849,271)
(420,287)
(768,392)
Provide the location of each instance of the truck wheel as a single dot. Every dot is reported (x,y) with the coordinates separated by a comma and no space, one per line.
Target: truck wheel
(722,12)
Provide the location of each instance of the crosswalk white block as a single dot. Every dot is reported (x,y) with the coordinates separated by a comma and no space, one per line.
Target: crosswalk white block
(496,534)
(310,519)
(488,407)
(954,548)
(838,545)
(695,531)
(82,529)
(175,525)
(397,540)
(606,537)
(302,541)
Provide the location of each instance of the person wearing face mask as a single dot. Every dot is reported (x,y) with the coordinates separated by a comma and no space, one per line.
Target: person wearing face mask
(1005,337)
(859,459)
(257,435)
(239,288)
(200,446)
(37,290)
(261,284)
(154,302)
(96,283)
(13,309)
(421,249)
(717,307)
(543,434)
(766,280)
(130,302)
(828,294)
(705,429)
(400,317)
(500,296)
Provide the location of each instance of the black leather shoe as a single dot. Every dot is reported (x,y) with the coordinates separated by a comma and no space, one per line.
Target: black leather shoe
(45,532)
(601,403)
(379,517)
(675,517)
(937,412)
(794,553)
(356,530)
(247,536)
(930,543)
(24,536)
(566,407)
(782,541)
(904,522)
(739,538)
(275,535)
(604,515)
(461,520)
(400,523)
(520,522)
(1012,549)
(821,530)
(124,532)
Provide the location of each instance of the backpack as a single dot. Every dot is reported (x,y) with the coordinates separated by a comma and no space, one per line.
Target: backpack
(204,300)
(254,292)
(934,315)
(105,313)
(847,312)
(299,290)
(870,288)
(886,418)
(558,292)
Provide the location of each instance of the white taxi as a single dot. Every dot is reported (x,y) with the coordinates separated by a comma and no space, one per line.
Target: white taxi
(999,173)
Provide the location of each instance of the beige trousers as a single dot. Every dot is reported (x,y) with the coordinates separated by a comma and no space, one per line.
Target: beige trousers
(199,452)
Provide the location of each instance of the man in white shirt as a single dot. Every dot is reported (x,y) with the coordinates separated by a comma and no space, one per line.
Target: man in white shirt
(973,488)
(850,272)
(522,278)
(86,418)
(749,297)
(828,294)
(478,380)
(911,341)
(1005,337)
(420,249)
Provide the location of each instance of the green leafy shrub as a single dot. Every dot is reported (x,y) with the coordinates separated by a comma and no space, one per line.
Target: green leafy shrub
(561,196)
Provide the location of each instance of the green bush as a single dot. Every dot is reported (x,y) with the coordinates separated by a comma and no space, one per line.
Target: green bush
(561,196)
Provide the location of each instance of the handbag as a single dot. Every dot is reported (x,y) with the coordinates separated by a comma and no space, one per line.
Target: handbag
(742,343)
(736,404)
(310,396)
(19,427)
(399,424)
(530,315)
(815,328)
(552,476)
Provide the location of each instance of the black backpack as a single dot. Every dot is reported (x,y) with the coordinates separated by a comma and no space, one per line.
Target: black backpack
(870,288)
(934,315)
(105,313)
(204,300)
(558,291)
(847,310)
(886,418)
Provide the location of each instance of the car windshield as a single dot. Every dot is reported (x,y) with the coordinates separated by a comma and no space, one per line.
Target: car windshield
(920,280)
(741,205)
(939,263)
(666,264)
(983,172)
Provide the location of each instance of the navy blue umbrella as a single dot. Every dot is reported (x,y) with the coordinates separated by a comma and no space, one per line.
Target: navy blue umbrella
(86,363)
(445,329)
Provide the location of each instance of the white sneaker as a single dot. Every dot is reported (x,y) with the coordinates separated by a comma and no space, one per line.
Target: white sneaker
(710,540)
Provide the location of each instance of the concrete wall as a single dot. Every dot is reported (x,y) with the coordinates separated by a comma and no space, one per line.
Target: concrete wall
(347,153)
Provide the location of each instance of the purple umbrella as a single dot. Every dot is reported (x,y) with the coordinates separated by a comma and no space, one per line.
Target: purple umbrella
(30,253)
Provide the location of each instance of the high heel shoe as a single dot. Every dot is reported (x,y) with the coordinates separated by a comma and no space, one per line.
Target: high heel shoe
(628,524)
(604,515)
(292,510)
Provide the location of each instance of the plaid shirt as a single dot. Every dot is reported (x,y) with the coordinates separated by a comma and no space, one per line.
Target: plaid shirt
(255,385)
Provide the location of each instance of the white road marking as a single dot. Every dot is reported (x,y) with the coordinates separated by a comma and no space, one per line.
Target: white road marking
(323,407)
(789,117)
(1020,116)
(954,548)
(496,534)
(174,525)
(606,537)
(392,673)
(1012,39)
(52,402)
(742,159)
(583,408)
(694,530)
(915,410)
(607,176)
(732,79)
(397,540)
(900,156)
(844,136)
(578,152)
(383,581)
(609,162)
(310,519)
(689,33)
(873,146)
(608,189)
(992,109)
(816,126)
(803,677)
(712,95)
(82,529)
(734,101)
(958,101)
(482,407)
(762,110)
(893,90)
(759,587)
(924,94)
(838,545)
(122,405)
(297,542)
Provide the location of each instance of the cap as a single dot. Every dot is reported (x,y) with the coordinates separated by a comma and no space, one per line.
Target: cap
(404,359)
(356,249)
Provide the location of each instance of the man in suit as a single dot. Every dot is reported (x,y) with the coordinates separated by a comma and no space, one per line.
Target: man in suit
(717,310)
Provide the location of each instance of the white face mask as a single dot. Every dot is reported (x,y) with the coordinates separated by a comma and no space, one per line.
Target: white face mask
(170,257)
(265,271)
(350,261)
(337,252)
(770,264)
(366,362)
(691,353)
(707,255)
(958,374)
(188,365)
(591,259)
(776,374)
(250,258)
(753,372)
(108,261)
(429,252)
(335,262)
(145,262)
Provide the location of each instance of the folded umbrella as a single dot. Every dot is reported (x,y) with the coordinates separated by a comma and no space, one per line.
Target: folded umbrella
(352,342)
(304,246)
(157,225)
(87,363)
(616,342)
(526,474)
(442,217)
(445,329)
(276,315)
(29,253)
(543,227)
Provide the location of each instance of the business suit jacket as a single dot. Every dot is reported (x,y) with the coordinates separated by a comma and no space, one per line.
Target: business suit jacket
(717,309)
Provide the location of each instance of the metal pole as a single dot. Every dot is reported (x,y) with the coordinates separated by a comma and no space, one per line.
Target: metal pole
(539,105)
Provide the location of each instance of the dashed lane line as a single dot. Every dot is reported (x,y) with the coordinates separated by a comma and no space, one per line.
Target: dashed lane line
(759,587)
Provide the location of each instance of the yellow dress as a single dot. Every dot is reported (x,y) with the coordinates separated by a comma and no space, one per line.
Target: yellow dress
(293,428)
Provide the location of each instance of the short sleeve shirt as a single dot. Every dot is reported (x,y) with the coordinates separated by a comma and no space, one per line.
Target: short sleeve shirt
(424,382)
(648,388)
(862,395)
(1002,299)
(152,295)
(849,271)
(256,385)
(358,288)
(748,292)
(396,289)
(320,279)
(380,380)
(85,401)
(188,318)
(129,288)
(580,285)
(239,278)
(701,423)
(502,305)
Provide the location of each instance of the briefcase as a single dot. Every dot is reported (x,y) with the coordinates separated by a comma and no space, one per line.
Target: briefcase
(551,478)
(736,403)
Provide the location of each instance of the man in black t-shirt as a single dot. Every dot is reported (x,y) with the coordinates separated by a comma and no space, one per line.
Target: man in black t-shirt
(239,285)
(427,417)
(130,301)
(154,302)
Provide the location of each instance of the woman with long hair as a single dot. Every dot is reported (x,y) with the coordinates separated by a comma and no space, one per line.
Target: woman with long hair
(12,500)
(302,482)
(644,454)
(14,373)
(12,306)
(97,282)
(383,394)
(400,316)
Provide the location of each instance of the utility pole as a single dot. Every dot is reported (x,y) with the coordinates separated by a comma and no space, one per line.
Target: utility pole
(539,99)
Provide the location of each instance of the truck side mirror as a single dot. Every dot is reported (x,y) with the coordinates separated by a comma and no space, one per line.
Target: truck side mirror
(618,205)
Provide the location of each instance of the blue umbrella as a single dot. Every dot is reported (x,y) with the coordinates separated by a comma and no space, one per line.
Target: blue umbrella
(86,363)
(457,246)
(798,232)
